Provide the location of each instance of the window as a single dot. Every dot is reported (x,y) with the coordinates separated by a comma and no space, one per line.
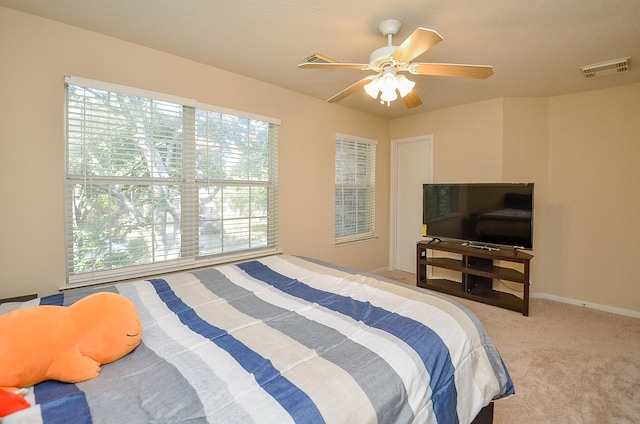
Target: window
(355,188)
(155,182)
(440,201)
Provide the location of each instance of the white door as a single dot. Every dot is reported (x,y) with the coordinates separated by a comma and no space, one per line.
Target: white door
(411,166)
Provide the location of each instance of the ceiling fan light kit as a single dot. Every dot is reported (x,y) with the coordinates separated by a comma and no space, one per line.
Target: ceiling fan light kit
(388,86)
(389,60)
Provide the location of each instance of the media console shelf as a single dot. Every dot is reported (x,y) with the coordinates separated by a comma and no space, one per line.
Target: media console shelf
(477,269)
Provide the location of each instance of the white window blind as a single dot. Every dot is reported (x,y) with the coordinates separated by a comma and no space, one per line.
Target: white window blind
(354,188)
(156,183)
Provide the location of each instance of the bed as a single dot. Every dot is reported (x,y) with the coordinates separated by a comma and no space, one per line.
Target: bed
(509,225)
(283,339)
(504,226)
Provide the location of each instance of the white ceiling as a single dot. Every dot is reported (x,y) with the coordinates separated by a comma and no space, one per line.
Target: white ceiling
(536,47)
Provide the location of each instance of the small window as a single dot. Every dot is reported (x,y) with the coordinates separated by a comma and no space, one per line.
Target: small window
(354,188)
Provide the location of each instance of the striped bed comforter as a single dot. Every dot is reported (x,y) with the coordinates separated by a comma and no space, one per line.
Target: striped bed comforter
(283,339)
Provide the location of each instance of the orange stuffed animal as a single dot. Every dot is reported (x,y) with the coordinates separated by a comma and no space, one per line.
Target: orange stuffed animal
(66,343)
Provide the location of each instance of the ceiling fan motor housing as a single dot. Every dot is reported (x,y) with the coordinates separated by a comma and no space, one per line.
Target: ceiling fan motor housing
(381,56)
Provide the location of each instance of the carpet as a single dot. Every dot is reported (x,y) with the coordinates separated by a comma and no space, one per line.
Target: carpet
(569,364)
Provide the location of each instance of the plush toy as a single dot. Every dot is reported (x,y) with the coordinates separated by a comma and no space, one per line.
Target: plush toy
(66,343)
(11,402)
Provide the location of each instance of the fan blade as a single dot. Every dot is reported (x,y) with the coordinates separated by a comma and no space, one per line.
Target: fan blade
(420,40)
(451,70)
(351,89)
(412,99)
(332,65)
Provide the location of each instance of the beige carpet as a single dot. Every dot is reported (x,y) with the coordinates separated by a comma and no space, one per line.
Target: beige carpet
(569,364)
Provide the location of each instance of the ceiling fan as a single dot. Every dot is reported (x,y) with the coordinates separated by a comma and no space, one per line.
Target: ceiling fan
(388,84)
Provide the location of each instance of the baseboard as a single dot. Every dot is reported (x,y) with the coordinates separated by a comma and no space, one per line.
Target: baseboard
(379,270)
(590,305)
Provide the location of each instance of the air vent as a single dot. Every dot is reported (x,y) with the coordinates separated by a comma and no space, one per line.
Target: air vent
(611,67)
(316,57)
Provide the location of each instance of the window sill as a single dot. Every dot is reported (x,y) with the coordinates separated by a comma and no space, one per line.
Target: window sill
(162,268)
(354,239)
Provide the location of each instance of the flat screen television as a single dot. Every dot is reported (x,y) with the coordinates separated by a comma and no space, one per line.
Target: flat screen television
(482,213)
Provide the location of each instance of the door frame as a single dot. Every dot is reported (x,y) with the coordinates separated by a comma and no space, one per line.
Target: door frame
(429,138)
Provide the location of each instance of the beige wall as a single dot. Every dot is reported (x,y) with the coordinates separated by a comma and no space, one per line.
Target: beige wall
(594,197)
(500,140)
(461,135)
(581,150)
(36,54)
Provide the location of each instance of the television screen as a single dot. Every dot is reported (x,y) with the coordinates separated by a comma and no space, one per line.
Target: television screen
(484,213)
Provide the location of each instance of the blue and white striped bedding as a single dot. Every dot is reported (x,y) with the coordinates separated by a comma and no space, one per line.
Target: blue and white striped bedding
(279,340)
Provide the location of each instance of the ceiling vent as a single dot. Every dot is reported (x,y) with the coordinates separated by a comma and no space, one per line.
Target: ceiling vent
(611,67)
(316,57)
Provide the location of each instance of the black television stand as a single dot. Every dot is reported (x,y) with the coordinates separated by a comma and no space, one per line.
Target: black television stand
(477,269)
